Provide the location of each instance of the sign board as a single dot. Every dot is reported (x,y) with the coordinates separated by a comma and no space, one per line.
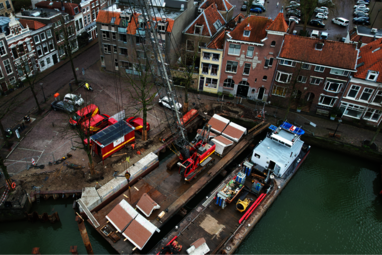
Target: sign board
(33,162)
(119,141)
(119,115)
(312,124)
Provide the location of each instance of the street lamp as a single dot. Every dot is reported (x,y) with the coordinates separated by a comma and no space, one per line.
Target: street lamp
(43,92)
(339,123)
(376,18)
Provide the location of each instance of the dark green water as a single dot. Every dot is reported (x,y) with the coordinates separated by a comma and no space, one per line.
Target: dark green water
(330,206)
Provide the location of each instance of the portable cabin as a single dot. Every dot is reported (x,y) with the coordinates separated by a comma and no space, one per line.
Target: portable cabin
(234,132)
(112,139)
(221,144)
(218,123)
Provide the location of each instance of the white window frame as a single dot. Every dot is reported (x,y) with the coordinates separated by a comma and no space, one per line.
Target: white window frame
(317,78)
(339,72)
(373,112)
(329,83)
(353,107)
(363,91)
(12,80)
(235,50)
(302,66)
(351,89)
(200,27)
(275,87)
(370,73)
(1,74)
(285,62)
(2,47)
(332,103)
(246,33)
(34,38)
(319,69)
(249,69)
(233,64)
(9,65)
(215,59)
(279,74)
(377,94)
(251,50)
(212,84)
(41,35)
(233,84)
(302,79)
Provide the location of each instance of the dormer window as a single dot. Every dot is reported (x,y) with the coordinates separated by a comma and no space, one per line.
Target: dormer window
(372,76)
(162,27)
(198,29)
(217,24)
(247,33)
(319,46)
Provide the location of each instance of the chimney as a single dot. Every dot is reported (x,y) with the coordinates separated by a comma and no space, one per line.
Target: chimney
(62,5)
(319,46)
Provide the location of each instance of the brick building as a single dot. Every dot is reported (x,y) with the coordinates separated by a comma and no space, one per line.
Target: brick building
(319,69)
(90,10)
(249,53)
(8,76)
(365,34)
(363,97)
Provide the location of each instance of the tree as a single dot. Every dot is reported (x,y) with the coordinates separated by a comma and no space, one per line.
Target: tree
(141,89)
(307,10)
(68,31)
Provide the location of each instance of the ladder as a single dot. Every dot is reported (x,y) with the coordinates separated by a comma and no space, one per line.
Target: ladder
(88,213)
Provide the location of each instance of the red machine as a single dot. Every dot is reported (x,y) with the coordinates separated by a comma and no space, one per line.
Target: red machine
(200,152)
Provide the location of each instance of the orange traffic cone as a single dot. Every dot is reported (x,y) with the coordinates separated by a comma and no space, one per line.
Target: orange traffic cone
(133,146)
(138,152)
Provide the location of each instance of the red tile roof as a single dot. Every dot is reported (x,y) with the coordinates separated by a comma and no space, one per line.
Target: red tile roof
(170,23)
(218,41)
(232,23)
(32,24)
(336,54)
(279,24)
(207,19)
(371,60)
(106,16)
(69,7)
(258,24)
(223,5)
(364,39)
(132,26)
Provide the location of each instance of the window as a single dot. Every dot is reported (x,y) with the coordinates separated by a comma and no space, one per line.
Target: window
(215,57)
(315,80)
(48,61)
(366,94)
(250,51)
(106,49)
(353,91)
(39,50)
(36,39)
(87,8)
(270,63)
(15,53)
(279,91)
(123,38)
(217,24)
(8,4)
(76,11)
(12,80)
(211,83)
(116,62)
(93,15)
(115,49)
(81,26)
(205,68)
(305,67)
(333,87)
(85,20)
(43,38)
(247,68)
(243,83)
(123,51)
(234,49)
(228,83)
(246,33)
(372,114)
(320,69)
(265,78)
(201,81)
(83,10)
(287,63)
(59,23)
(301,79)
(7,66)
(190,45)
(201,44)
(42,63)
(372,76)
(97,2)
(198,29)
(214,69)
(1,74)
(352,110)
(338,72)
(206,56)
(45,47)
(2,49)
(29,46)
(231,67)
(1,6)
(105,35)
(283,77)
(97,11)
(140,54)
(89,20)
(51,45)
(378,97)
(93,5)
(327,100)
(273,43)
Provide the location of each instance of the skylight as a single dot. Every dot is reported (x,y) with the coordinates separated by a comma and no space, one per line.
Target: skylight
(377,49)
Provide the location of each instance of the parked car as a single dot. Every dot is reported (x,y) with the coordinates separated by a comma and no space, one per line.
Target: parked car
(62,106)
(95,123)
(324,35)
(342,39)
(137,122)
(362,2)
(293,13)
(168,103)
(322,10)
(321,15)
(359,5)
(360,14)
(295,3)
(362,9)
(257,5)
(243,7)
(256,10)
(361,20)
(316,23)
(74,99)
(296,20)
(84,114)
(340,21)
(315,34)
(292,5)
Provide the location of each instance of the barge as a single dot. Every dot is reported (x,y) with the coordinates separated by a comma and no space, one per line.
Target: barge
(137,211)
(221,222)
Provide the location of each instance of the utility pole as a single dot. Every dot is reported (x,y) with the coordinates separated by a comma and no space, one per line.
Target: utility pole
(42,89)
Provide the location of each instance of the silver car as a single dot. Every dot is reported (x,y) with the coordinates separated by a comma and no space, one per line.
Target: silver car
(168,103)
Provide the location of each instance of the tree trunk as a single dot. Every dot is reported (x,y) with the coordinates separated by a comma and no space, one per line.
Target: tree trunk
(144,135)
(6,175)
(6,142)
(35,97)
(71,62)
(144,127)
(185,108)
(376,133)
(90,164)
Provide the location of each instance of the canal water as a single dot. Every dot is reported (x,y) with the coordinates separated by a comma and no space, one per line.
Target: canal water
(330,206)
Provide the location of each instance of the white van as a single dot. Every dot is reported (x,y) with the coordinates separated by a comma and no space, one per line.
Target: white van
(340,21)
(315,34)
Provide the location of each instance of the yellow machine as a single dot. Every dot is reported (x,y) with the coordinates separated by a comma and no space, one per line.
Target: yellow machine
(241,205)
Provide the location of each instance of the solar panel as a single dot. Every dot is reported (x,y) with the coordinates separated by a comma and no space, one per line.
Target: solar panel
(112,133)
